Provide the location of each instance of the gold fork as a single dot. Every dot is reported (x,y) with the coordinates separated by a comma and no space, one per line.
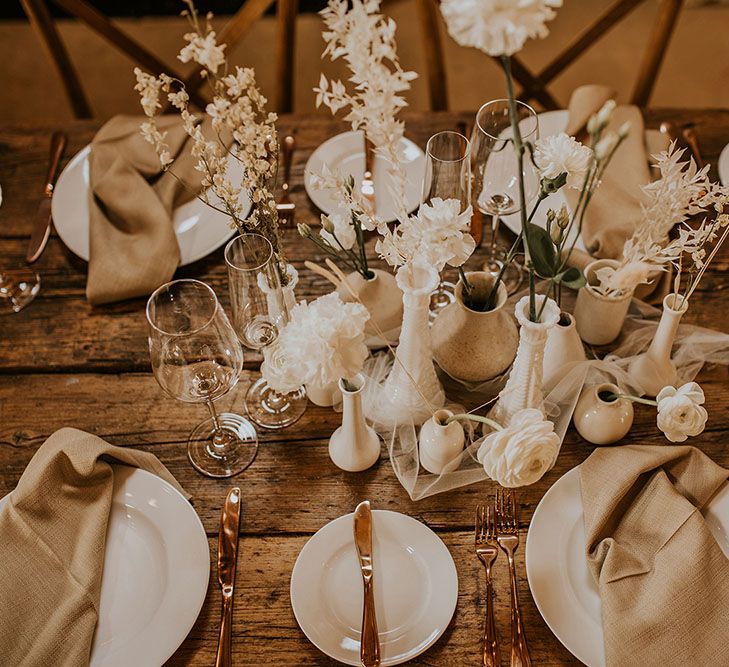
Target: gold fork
(285,206)
(507,521)
(487,550)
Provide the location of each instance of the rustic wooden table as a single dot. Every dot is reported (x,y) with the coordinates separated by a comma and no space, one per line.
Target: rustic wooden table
(63,363)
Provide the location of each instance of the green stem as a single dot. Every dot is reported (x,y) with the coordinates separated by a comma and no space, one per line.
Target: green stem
(475,418)
(466,285)
(634,399)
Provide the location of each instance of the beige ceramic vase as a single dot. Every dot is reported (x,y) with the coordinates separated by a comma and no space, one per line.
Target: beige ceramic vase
(475,346)
(441,444)
(383,299)
(563,350)
(599,420)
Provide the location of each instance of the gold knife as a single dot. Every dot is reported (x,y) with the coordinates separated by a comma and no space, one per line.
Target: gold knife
(369,652)
(227,559)
(42,225)
(367,187)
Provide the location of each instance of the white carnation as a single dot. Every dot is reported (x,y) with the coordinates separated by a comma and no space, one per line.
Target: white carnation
(498,27)
(519,454)
(560,154)
(680,411)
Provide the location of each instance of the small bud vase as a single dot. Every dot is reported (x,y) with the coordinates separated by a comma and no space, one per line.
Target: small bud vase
(563,349)
(354,446)
(524,387)
(600,420)
(441,444)
(473,345)
(599,318)
(654,369)
(383,299)
(412,392)
(324,395)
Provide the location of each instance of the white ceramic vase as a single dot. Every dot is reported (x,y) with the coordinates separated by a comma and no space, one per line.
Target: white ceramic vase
(471,345)
(601,421)
(563,349)
(599,318)
(654,369)
(383,299)
(324,395)
(524,387)
(412,392)
(441,444)
(354,446)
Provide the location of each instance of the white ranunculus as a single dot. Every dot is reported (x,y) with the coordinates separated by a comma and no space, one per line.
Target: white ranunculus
(519,454)
(560,154)
(497,27)
(680,411)
(343,230)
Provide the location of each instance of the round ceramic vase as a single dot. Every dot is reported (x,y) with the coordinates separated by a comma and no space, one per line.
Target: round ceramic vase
(475,346)
(599,421)
(441,444)
(563,349)
(599,318)
(324,395)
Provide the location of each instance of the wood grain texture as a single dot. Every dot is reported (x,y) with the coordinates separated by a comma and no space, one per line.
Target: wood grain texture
(63,363)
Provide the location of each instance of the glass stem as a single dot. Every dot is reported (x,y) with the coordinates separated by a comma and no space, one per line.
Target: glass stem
(219,439)
(494,237)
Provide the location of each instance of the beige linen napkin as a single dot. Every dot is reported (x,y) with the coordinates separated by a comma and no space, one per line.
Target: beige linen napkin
(132,244)
(53,528)
(663,580)
(614,209)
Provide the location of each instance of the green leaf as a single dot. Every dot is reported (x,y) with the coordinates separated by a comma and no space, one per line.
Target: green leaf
(542,252)
(572,278)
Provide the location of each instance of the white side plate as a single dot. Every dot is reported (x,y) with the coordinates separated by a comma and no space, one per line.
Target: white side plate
(723,165)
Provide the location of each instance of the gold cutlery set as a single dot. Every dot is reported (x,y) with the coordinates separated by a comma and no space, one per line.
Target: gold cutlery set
(497,528)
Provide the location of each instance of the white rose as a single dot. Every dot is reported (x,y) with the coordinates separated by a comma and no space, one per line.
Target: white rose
(680,411)
(283,376)
(521,453)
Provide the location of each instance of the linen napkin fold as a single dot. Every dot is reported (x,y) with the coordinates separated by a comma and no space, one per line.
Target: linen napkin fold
(132,244)
(53,528)
(663,580)
(614,210)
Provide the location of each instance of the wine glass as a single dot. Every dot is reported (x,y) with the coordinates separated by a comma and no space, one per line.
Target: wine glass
(448,176)
(496,174)
(196,358)
(259,312)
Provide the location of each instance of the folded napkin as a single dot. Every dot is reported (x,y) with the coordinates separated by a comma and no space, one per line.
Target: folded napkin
(663,580)
(614,210)
(132,244)
(53,528)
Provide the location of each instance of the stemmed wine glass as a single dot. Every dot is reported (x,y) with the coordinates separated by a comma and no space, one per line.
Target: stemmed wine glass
(496,174)
(259,312)
(196,358)
(448,176)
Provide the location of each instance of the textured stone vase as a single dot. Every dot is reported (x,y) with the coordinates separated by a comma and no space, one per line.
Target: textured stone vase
(654,369)
(383,299)
(412,392)
(601,421)
(563,349)
(475,346)
(524,387)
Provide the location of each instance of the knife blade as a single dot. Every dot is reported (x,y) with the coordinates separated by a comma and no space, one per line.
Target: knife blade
(367,187)
(227,560)
(369,651)
(42,224)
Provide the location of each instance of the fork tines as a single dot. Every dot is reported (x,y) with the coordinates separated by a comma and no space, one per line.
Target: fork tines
(507,511)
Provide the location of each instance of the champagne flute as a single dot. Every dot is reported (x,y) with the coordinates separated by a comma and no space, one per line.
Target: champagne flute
(259,312)
(496,174)
(448,176)
(196,358)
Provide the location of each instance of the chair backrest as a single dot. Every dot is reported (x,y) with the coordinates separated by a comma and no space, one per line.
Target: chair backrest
(238,26)
(534,86)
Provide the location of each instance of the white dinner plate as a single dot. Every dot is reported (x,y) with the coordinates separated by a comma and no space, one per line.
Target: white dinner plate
(563,588)
(199,228)
(723,165)
(344,154)
(155,577)
(416,588)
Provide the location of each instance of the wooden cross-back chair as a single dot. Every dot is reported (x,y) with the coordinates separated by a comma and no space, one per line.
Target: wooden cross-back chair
(534,86)
(238,26)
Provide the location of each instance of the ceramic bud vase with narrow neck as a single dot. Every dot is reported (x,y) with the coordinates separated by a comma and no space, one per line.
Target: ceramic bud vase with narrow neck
(354,446)
(474,345)
(383,299)
(599,318)
(601,419)
(412,392)
(563,349)
(524,387)
(441,444)
(654,369)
